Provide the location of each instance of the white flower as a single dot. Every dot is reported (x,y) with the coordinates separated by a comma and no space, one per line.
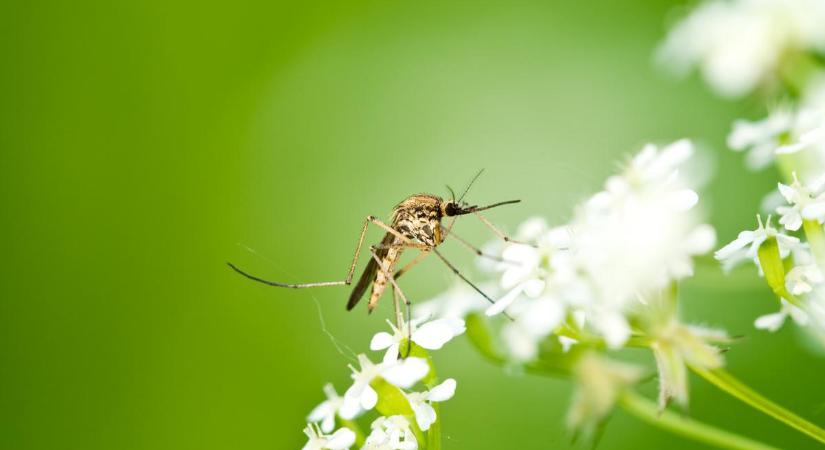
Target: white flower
(761,138)
(402,373)
(524,269)
(334,404)
(740,44)
(640,233)
(802,279)
(431,335)
(391,433)
(600,382)
(420,402)
(807,202)
(784,131)
(523,274)
(342,439)
(746,245)
(773,322)
(533,319)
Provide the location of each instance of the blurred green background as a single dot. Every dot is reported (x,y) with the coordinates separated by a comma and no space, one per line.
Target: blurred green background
(146,143)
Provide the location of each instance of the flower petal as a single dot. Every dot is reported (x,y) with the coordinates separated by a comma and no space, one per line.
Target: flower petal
(342,439)
(406,372)
(369,398)
(433,335)
(381,341)
(770,322)
(443,391)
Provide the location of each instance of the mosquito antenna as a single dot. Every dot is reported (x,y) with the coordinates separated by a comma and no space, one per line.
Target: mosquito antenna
(452,193)
(470,185)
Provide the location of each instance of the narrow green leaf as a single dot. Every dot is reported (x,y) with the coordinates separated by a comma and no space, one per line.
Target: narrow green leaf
(774,270)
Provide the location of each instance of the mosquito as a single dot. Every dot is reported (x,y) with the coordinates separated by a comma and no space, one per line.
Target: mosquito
(416,224)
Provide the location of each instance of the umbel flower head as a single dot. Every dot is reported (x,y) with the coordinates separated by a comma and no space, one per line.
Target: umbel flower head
(738,45)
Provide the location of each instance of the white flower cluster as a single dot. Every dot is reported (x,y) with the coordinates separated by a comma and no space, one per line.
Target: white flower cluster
(740,44)
(590,276)
(393,432)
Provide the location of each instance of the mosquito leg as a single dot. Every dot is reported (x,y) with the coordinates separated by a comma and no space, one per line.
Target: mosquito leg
(412,263)
(473,248)
(399,319)
(348,280)
(460,275)
(498,232)
(285,285)
(400,294)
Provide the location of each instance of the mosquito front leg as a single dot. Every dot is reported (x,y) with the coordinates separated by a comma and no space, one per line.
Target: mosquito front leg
(498,232)
(472,247)
(466,280)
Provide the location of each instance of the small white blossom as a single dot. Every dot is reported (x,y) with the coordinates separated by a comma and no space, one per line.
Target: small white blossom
(431,335)
(334,404)
(740,44)
(342,439)
(807,202)
(773,322)
(600,382)
(402,373)
(802,279)
(420,402)
(784,131)
(391,433)
(746,245)
(761,138)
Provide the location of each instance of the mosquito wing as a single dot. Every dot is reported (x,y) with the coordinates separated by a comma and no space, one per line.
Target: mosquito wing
(369,272)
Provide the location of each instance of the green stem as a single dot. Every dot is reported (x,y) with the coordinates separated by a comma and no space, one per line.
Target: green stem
(816,238)
(431,380)
(647,411)
(359,435)
(726,382)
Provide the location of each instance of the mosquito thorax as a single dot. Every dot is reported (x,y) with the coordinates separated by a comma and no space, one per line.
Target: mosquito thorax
(418,217)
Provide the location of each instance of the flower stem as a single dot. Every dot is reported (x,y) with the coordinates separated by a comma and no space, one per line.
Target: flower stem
(647,411)
(726,382)
(352,425)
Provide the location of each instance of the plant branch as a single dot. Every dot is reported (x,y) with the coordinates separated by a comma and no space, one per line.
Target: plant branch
(647,411)
(726,382)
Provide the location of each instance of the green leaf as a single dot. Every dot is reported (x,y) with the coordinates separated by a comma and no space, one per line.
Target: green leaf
(774,270)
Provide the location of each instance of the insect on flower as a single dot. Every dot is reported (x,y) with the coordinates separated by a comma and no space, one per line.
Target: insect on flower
(417,225)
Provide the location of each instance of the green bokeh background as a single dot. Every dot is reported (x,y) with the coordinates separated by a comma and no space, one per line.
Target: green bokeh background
(145,143)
